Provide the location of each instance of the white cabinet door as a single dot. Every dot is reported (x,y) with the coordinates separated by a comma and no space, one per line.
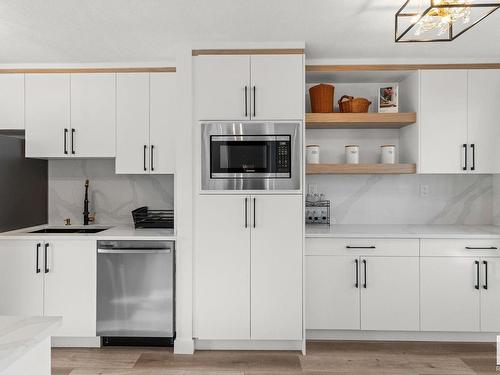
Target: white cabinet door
(93,115)
(276,267)
(490,294)
(132,123)
(162,122)
(390,293)
(443,121)
(11,101)
(484,121)
(222,268)
(277,90)
(222,87)
(21,286)
(70,286)
(332,297)
(448,298)
(48,122)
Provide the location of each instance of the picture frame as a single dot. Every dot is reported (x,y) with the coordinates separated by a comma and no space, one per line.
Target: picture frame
(387,99)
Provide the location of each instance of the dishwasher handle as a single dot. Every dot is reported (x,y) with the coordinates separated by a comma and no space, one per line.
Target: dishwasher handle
(134,251)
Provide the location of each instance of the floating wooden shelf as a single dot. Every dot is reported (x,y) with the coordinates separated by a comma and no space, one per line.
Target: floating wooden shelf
(359,120)
(361,169)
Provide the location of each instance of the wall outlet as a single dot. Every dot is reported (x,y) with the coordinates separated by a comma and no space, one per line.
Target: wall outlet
(424,191)
(312,189)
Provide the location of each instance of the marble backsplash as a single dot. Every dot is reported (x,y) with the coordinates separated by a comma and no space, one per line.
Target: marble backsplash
(112,197)
(397,199)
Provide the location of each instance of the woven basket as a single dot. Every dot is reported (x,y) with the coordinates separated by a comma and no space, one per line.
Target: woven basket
(321,98)
(349,104)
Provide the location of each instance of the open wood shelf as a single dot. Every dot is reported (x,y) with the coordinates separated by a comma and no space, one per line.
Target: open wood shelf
(361,169)
(359,120)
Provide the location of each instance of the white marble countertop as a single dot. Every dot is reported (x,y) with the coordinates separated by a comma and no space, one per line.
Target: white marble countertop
(121,232)
(19,334)
(403,231)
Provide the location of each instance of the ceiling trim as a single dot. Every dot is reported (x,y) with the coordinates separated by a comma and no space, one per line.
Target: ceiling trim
(256,51)
(382,67)
(90,70)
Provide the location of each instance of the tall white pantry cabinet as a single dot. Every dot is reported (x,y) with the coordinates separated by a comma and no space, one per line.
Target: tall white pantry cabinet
(248,259)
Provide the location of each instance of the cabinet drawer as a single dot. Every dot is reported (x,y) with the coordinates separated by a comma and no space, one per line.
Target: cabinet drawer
(449,247)
(362,246)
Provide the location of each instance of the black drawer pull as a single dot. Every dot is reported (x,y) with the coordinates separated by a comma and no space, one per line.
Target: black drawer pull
(47,270)
(38,245)
(485,286)
(481,248)
(360,247)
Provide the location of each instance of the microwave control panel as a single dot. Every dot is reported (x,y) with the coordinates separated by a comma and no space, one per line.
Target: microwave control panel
(283,156)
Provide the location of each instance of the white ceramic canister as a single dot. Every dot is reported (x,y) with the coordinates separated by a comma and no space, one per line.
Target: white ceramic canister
(352,154)
(312,154)
(388,154)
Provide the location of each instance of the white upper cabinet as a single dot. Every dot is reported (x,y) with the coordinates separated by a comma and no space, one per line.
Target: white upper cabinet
(70,115)
(222,87)
(277,90)
(132,123)
(243,87)
(48,120)
(162,106)
(484,121)
(12,101)
(459,121)
(145,105)
(443,121)
(93,115)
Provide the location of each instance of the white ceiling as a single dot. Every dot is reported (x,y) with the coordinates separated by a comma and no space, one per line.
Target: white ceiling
(111,31)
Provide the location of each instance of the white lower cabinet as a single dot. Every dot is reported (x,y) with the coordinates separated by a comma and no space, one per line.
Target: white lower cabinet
(248,267)
(490,294)
(389,293)
(21,286)
(50,278)
(367,284)
(332,298)
(70,286)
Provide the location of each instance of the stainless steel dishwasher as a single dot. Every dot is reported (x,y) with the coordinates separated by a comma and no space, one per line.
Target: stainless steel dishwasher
(135,292)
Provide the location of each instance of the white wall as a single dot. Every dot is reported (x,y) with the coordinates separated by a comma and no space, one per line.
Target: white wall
(396,199)
(111,196)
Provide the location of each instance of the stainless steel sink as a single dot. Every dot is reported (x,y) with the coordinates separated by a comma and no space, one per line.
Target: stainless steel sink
(69,230)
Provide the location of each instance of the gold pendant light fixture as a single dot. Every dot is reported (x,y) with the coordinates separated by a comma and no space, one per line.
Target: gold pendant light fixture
(439,20)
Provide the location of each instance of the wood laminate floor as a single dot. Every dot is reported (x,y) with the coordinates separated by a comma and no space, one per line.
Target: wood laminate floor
(338,357)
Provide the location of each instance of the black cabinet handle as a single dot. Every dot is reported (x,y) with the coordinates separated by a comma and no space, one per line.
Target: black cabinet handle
(356,263)
(465,159)
(72,141)
(485,286)
(473,147)
(144,157)
(254,210)
(477,274)
(152,158)
(360,247)
(254,103)
(38,245)
(364,268)
(246,212)
(65,138)
(246,101)
(481,248)
(47,270)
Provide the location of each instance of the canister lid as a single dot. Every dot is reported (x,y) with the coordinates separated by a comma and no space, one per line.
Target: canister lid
(351,145)
(388,146)
(312,146)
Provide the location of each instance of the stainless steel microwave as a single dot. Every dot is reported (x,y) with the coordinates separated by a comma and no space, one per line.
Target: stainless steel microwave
(251,155)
